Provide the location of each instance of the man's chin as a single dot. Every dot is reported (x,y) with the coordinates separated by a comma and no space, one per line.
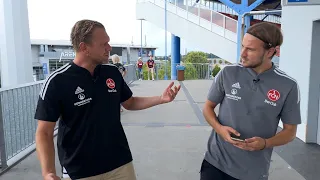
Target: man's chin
(246,65)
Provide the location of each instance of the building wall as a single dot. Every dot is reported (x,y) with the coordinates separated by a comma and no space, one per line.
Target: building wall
(297,23)
(133,55)
(35,50)
(46,58)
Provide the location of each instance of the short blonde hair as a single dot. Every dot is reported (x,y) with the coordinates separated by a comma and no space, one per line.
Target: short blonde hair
(115,59)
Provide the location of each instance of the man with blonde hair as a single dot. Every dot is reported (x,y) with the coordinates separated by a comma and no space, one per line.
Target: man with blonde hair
(116,61)
(85,95)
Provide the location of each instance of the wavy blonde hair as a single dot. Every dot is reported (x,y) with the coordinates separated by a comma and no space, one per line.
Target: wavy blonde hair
(115,59)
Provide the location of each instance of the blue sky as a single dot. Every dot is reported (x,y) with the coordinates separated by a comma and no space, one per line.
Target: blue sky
(53,19)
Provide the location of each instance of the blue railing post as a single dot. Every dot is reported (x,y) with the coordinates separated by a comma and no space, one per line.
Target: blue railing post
(239,37)
(165,56)
(141,40)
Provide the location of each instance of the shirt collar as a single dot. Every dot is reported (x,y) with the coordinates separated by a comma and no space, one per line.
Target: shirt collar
(80,69)
(255,75)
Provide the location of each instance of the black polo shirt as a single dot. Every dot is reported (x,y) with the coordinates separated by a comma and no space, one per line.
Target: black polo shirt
(91,139)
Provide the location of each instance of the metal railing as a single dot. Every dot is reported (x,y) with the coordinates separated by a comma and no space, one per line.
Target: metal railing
(220,7)
(17,123)
(199,14)
(208,11)
(131,75)
(193,71)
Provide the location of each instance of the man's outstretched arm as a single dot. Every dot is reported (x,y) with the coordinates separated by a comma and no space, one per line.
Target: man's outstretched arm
(139,103)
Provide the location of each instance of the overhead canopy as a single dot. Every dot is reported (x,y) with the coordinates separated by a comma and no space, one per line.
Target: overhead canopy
(267,4)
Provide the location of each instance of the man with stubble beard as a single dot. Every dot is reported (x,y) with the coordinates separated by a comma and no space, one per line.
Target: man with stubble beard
(253,97)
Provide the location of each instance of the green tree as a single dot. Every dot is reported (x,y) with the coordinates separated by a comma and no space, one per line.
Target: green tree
(215,70)
(220,61)
(199,61)
(190,72)
(161,70)
(196,57)
(227,62)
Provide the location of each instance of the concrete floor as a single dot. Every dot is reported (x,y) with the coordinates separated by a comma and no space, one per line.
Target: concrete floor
(168,142)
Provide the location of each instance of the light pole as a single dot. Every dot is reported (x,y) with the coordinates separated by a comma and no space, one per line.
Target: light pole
(141,40)
(165,47)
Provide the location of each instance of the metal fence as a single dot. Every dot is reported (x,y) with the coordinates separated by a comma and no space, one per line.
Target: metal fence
(218,7)
(199,14)
(131,75)
(17,123)
(193,71)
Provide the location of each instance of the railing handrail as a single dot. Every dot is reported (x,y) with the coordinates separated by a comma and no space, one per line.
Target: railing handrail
(208,7)
(227,22)
(275,20)
(196,7)
(217,13)
(20,85)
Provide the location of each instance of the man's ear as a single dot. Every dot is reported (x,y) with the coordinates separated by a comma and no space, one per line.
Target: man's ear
(277,51)
(83,48)
(272,51)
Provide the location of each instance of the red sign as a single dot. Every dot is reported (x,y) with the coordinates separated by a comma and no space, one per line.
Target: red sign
(273,95)
(110,83)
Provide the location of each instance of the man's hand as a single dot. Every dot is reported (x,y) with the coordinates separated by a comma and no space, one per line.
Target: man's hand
(51,176)
(252,144)
(225,131)
(169,94)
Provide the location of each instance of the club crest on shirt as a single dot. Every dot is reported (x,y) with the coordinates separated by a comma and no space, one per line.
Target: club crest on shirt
(111,85)
(273,96)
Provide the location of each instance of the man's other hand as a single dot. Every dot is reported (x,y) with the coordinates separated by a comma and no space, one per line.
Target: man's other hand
(253,144)
(169,94)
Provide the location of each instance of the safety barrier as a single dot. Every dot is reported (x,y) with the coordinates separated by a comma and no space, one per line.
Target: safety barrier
(193,71)
(199,14)
(17,123)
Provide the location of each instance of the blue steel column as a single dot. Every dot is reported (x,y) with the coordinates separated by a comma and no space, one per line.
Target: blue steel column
(247,21)
(244,8)
(175,55)
(241,9)
(141,41)
(165,53)
(239,37)
(175,50)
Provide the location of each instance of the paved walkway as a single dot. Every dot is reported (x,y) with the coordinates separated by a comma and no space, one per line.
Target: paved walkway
(168,142)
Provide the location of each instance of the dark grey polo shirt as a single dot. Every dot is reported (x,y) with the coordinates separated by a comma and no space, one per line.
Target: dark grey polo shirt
(253,105)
